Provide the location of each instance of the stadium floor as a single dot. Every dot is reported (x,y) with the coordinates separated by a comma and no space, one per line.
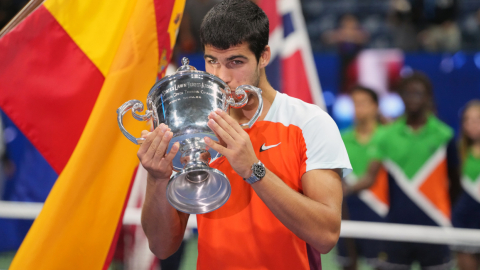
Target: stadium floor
(189,261)
(190,258)
(328,260)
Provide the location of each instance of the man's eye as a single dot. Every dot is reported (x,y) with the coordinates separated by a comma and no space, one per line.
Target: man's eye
(212,61)
(237,62)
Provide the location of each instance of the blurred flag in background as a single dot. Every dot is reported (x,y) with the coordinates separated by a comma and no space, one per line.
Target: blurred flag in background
(65,70)
(292,68)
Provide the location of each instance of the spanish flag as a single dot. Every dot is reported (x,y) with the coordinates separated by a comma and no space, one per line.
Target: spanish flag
(64,71)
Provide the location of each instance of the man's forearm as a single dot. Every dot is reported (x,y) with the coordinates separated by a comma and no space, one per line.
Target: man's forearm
(367,180)
(316,223)
(164,226)
(364,183)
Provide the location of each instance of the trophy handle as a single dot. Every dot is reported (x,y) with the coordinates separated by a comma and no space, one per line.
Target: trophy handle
(136,106)
(240,92)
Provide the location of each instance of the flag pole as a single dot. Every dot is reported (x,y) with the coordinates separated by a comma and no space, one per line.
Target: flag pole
(22,14)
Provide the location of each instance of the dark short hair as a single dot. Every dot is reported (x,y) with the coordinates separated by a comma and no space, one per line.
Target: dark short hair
(233,22)
(419,77)
(373,95)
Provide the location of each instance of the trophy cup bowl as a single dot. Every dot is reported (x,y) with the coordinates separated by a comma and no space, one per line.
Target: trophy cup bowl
(183,101)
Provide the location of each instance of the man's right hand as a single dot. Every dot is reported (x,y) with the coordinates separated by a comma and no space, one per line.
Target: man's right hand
(152,152)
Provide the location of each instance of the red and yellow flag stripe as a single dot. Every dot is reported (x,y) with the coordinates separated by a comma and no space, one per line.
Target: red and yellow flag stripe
(66,69)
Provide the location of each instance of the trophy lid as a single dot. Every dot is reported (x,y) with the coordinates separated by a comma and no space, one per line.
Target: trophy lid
(186,70)
(185,65)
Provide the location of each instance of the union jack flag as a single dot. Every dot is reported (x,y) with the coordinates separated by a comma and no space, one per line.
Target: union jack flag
(292,69)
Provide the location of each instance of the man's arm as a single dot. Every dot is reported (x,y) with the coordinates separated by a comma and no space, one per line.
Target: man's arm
(367,180)
(163,225)
(314,217)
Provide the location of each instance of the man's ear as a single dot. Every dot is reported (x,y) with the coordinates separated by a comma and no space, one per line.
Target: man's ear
(265,57)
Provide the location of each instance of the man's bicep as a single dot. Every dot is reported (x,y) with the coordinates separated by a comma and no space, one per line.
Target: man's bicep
(326,151)
(324,186)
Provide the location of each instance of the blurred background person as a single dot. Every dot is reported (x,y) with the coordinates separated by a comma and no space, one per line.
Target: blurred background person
(349,39)
(404,21)
(471,31)
(466,213)
(419,154)
(366,205)
(188,40)
(442,32)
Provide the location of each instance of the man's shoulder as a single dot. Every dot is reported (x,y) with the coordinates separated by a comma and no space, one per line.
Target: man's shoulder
(293,111)
(441,128)
(391,129)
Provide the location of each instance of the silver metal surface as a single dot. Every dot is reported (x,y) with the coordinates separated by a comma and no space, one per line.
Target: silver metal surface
(258,93)
(183,101)
(198,198)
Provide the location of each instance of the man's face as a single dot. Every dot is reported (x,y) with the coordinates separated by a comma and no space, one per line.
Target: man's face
(415,97)
(365,106)
(471,123)
(236,65)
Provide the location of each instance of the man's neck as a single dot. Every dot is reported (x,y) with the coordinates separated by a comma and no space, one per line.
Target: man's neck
(417,120)
(244,114)
(365,129)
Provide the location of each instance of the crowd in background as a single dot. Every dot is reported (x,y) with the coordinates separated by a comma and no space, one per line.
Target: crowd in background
(410,25)
(349,25)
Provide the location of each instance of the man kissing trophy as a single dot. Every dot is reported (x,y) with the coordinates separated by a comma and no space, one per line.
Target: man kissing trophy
(183,101)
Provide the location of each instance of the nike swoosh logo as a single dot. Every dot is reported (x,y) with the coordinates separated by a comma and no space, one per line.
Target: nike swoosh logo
(264,148)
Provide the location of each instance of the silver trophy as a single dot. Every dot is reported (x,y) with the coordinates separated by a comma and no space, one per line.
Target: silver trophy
(183,101)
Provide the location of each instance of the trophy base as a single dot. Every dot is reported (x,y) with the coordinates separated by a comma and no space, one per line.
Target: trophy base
(198,190)
(178,165)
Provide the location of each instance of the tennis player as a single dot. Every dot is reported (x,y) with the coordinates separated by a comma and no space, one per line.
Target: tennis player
(285,171)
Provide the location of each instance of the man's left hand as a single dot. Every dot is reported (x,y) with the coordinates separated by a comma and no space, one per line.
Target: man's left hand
(237,147)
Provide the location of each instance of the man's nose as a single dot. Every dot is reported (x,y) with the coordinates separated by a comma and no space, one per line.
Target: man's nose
(223,73)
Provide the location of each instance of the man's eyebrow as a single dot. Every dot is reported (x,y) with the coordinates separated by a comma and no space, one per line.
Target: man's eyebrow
(209,56)
(237,56)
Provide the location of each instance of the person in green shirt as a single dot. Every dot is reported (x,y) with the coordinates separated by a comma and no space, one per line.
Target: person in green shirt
(466,213)
(367,205)
(420,156)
